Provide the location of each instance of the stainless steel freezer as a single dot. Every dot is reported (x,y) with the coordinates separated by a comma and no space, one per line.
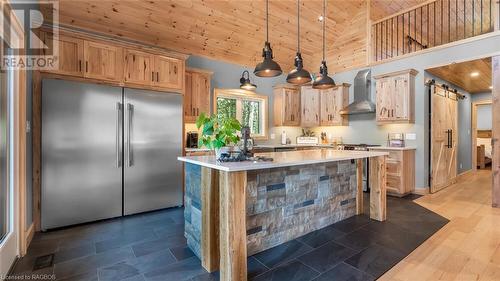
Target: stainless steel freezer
(107,152)
(153,140)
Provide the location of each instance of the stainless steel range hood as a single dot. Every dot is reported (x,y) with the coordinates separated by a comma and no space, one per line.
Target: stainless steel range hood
(362,102)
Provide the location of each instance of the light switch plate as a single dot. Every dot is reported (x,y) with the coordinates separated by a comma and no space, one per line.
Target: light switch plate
(411,136)
(273,136)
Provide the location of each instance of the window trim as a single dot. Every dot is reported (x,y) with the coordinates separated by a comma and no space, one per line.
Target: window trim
(247,95)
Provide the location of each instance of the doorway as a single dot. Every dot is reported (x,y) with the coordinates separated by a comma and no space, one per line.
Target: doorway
(455,92)
(482,118)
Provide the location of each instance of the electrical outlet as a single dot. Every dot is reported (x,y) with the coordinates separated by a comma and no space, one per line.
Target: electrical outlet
(273,136)
(460,165)
(411,136)
(28,127)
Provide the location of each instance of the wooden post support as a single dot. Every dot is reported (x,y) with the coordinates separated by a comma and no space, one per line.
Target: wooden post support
(210,219)
(495,144)
(359,191)
(232,227)
(378,181)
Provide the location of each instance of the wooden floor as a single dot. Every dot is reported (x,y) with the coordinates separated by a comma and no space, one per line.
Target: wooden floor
(467,248)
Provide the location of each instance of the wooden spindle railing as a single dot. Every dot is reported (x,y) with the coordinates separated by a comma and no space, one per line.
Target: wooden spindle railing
(432,24)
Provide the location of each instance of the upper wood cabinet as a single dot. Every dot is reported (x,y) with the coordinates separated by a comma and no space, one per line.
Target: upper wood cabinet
(197,94)
(286,105)
(118,62)
(310,106)
(169,72)
(396,97)
(103,61)
(70,55)
(138,67)
(332,102)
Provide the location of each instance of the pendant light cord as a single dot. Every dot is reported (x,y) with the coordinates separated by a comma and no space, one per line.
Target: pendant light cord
(324,23)
(298,26)
(267,20)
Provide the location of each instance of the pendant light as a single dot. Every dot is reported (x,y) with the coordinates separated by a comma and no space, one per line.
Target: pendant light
(245,83)
(323,81)
(298,75)
(268,67)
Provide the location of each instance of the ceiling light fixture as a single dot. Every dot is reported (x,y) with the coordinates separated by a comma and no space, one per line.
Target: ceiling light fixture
(268,67)
(298,75)
(323,81)
(474,74)
(491,87)
(245,83)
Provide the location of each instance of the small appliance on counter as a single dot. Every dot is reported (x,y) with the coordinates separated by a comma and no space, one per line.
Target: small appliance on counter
(396,140)
(192,140)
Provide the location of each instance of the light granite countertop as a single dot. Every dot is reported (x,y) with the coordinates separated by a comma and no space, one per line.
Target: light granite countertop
(282,159)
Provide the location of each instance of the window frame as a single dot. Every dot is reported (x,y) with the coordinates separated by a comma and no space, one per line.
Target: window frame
(241,95)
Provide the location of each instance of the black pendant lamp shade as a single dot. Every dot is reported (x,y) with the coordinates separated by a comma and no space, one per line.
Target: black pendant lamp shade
(323,81)
(298,75)
(268,67)
(245,83)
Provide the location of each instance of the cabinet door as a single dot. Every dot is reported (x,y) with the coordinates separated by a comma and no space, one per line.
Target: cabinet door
(291,111)
(138,67)
(201,93)
(188,99)
(341,97)
(310,106)
(169,72)
(327,107)
(70,57)
(384,104)
(400,97)
(103,61)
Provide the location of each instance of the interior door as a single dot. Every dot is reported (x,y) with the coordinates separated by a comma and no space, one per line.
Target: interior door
(443,139)
(152,138)
(81,152)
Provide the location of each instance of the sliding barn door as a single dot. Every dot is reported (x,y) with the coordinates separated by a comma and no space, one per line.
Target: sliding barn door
(443,139)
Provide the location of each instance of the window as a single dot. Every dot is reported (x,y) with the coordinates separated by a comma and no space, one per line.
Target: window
(249,108)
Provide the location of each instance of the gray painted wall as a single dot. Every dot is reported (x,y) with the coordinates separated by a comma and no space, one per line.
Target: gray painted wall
(481,97)
(484,117)
(363,128)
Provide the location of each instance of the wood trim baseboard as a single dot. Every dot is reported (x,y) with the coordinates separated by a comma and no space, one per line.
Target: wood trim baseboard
(421,190)
(464,174)
(29,234)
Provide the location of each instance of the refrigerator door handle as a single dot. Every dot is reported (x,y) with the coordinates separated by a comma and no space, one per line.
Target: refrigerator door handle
(130,109)
(118,134)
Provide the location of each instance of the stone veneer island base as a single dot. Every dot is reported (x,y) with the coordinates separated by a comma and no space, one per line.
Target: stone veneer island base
(234,210)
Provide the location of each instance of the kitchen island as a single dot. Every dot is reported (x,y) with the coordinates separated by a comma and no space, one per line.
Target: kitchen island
(237,209)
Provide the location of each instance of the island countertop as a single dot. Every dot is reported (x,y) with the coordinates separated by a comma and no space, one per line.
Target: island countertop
(282,159)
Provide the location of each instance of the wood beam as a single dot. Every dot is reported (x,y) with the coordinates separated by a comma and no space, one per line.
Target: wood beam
(232,226)
(496,132)
(210,219)
(359,191)
(378,181)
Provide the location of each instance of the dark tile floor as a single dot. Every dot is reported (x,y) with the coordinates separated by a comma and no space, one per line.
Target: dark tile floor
(152,247)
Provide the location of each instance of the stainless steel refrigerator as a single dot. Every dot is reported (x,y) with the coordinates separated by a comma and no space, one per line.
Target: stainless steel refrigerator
(107,152)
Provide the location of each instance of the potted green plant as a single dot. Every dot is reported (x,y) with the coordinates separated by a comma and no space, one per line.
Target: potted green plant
(218,133)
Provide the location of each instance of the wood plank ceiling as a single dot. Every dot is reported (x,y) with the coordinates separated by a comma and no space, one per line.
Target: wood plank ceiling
(460,75)
(234,31)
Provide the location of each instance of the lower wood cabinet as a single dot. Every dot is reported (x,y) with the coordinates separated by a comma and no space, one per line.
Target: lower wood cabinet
(400,171)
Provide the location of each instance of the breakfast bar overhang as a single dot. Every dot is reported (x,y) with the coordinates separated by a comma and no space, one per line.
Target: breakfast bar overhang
(238,208)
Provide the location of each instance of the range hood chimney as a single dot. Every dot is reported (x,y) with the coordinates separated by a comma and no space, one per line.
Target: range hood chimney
(362,102)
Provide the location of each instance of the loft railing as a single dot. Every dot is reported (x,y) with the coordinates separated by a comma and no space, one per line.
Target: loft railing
(432,24)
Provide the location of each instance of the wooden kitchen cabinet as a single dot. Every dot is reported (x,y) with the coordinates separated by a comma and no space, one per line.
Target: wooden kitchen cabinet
(332,101)
(286,105)
(396,97)
(138,67)
(400,165)
(103,61)
(310,107)
(168,72)
(197,94)
(70,55)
